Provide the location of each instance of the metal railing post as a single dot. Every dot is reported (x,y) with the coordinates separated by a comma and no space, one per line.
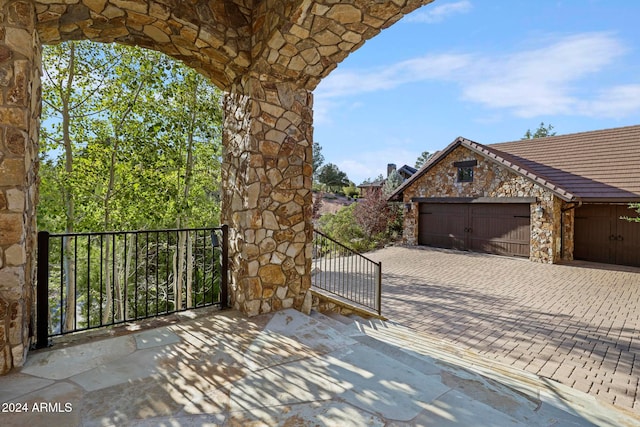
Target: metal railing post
(379,287)
(42,291)
(224,283)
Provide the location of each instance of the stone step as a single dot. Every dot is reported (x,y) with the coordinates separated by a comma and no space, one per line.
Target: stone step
(343,324)
(474,374)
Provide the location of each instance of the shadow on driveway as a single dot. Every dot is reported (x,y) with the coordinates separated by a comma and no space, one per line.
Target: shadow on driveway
(577,324)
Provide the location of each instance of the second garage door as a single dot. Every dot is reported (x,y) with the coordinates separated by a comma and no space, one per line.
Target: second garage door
(602,235)
(502,229)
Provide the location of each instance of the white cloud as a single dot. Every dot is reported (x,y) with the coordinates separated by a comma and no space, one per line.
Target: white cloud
(344,84)
(544,80)
(432,14)
(541,81)
(430,67)
(615,102)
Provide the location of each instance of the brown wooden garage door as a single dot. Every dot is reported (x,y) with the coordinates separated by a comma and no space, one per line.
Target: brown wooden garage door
(601,236)
(491,228)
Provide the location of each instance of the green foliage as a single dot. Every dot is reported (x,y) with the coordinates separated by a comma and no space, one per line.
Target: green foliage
(635,206)
(394,180)
(423,158)
(374,214)
(318,187)
(541,132)
(333,177)
(366,225)
(130,140)
(342,226)
(351,191)
(318,159)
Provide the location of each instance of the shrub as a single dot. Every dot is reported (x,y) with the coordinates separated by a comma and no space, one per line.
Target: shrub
(351,191)
(343,228)
(359,227)
(374,214)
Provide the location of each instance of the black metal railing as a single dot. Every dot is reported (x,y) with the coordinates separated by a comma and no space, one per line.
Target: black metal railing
(337,269)
(91,280)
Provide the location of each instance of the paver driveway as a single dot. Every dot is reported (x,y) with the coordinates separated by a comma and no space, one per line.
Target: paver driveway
(578,324)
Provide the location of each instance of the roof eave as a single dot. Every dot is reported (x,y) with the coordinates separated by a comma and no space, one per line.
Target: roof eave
(398,193)
(620,200)
(490,155)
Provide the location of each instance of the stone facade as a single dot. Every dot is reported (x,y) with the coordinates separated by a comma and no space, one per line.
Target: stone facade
(493,180)
(323,303)
(568,230)
(267,200)
(19,116)
(267,54)
(299,41)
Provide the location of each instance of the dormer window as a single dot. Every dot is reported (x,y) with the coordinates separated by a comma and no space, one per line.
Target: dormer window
(465,170)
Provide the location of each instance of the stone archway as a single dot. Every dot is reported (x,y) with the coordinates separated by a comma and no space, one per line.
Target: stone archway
(268,55)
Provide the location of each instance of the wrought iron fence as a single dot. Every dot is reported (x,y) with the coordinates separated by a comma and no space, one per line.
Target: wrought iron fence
(346,273)
(91,280)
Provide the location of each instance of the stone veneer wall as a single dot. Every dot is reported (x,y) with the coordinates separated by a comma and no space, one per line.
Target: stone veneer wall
(568,222)
(325,304)
(267,197)
(19,120)
(248,48)
(490,180)
(219,49)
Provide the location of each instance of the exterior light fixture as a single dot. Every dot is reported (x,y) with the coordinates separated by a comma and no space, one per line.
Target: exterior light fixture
(539,211)
(407,207)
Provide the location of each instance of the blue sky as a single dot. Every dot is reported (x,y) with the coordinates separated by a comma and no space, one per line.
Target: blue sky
(486,70)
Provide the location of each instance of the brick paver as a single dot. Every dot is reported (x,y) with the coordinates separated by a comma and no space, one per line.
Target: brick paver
(578,324)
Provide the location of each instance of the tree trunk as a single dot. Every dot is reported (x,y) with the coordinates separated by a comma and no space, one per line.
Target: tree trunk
(69,266)
(183,218)
(113,160)
(128,310)
(69,321)
(189,271)
(178,270)
(117,292)
(106,314)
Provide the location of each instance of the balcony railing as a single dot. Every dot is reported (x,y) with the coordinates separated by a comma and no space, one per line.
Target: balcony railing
(92,280)
(349,275)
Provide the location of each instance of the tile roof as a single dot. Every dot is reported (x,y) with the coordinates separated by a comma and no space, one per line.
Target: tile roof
(602,165)
(408,169)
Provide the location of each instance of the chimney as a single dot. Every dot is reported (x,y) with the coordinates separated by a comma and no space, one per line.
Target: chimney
(391,167)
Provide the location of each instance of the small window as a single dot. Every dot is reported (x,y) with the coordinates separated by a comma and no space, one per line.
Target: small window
(465,174)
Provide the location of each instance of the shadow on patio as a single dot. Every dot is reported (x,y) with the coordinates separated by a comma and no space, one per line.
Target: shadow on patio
(220,368)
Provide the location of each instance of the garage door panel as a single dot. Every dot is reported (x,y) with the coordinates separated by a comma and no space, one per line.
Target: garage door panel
(506,239)
(601,236)
(442,226)
(592,234)
(501,222)
(492,228)
(499,247)
(500,229)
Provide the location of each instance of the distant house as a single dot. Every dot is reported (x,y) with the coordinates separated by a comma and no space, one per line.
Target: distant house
(548,199)
(405,172)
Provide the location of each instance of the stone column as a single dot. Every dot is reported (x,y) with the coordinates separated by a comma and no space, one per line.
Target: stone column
(267,197)
(20,57)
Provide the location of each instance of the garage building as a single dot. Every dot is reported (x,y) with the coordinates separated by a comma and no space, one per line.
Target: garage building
(548,199)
